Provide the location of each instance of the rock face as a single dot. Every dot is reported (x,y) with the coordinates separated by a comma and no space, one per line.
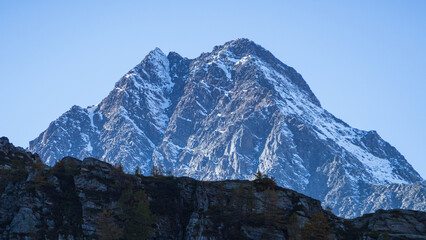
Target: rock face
(228,114)
(400,221)
(64,203)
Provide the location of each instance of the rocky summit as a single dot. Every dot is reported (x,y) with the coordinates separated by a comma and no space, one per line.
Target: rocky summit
(228,114)
(91,199)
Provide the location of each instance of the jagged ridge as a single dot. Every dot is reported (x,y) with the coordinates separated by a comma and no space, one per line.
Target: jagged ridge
(226,115)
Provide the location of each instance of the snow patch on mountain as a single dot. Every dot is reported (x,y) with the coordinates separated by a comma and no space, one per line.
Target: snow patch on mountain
(226,115)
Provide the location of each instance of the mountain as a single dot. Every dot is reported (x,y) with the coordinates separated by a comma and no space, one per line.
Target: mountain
(228,114)
(89,199)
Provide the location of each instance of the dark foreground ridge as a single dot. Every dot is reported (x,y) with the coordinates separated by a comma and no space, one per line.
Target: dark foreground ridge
(91,199)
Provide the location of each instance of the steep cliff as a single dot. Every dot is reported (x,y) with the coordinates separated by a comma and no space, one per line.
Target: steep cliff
(228,114)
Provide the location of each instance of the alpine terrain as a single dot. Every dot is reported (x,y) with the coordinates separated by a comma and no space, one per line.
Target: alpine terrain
(228,114)
(91,199)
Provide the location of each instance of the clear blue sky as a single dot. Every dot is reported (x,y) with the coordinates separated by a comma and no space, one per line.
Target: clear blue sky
(365,60)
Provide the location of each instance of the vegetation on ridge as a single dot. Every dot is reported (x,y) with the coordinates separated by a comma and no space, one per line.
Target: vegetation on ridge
(94,200)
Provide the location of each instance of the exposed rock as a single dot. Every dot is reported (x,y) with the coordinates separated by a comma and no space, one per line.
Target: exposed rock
(66,204)
(226,115)
(395,224)
(4,141)
(24,222)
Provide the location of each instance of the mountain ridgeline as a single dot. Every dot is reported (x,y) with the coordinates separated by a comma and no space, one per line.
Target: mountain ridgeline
(228,114)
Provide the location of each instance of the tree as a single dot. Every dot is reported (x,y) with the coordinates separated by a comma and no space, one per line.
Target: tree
(264,180)
(66,167)
(272,213)
(293,227)
(250,203)
(157,171)
(106,226)
(136,214)
(18,170)
(317,228)
(138,172)
(237,201)
(4,178)
(258,176)
(119,167)
(40,179)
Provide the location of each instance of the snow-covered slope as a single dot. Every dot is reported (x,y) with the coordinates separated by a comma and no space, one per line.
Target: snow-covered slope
(226,115)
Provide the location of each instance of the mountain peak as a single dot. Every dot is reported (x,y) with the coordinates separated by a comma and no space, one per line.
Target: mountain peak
(156,56)
(243,43)
(153,68)
(226,115)
(157,51)
(243,50)
(240,47)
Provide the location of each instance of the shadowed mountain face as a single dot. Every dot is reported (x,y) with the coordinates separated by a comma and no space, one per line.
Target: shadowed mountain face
(228,114)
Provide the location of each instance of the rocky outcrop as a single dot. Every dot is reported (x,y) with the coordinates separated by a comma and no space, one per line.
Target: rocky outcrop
(394,224)
(226,115)
(64,202)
